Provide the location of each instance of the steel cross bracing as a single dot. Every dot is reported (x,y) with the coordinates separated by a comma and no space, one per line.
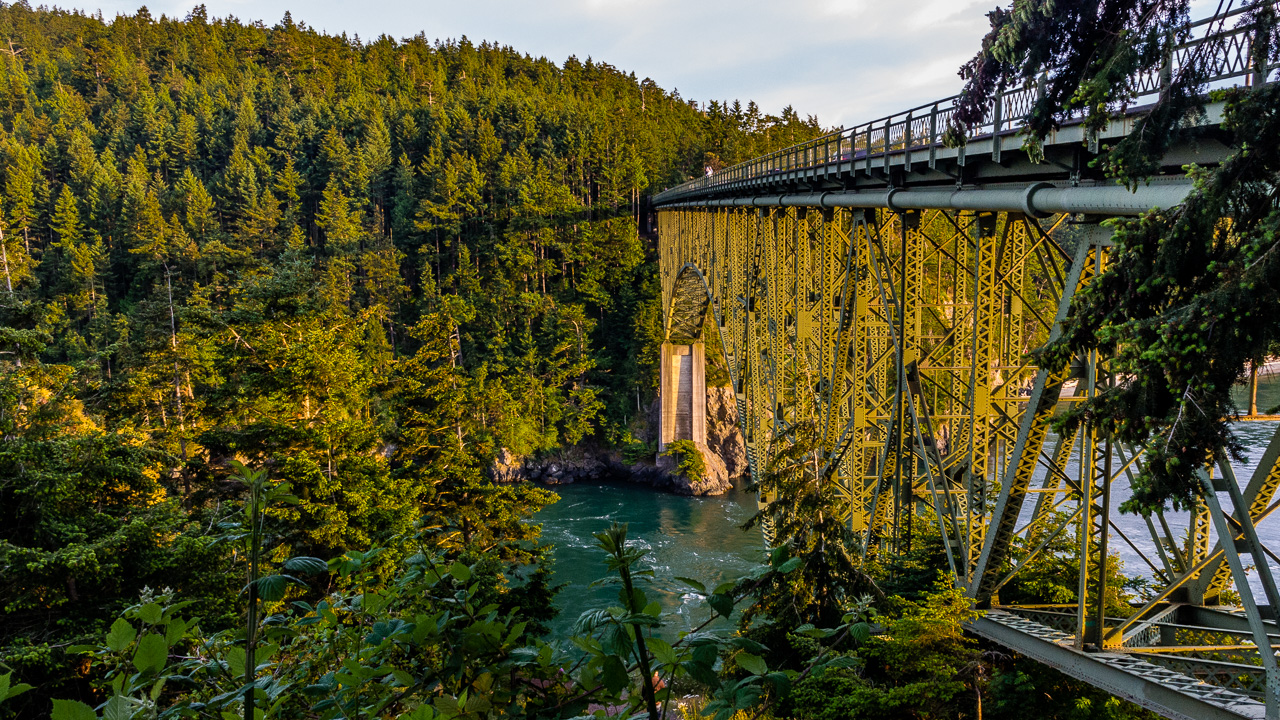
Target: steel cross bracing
(875,295)
(901,338)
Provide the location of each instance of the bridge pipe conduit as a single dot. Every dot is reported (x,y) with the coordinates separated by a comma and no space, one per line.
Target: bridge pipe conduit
(1038,200)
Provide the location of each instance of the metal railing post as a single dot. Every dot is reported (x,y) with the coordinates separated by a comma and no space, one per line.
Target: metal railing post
(933,137)
(906,144)
(888,127)
(996,121)
(867,152)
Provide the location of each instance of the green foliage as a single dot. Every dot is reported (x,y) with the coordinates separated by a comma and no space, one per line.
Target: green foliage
(916,669)
(688,458)
(8,689)
(803,515)
(1189,296)
(634,451)
(85,523)
(1021,688)
(1089,52)
(1052,575)
(428,645)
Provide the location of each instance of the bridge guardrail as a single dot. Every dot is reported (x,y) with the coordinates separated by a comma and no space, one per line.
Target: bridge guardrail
(1227,53)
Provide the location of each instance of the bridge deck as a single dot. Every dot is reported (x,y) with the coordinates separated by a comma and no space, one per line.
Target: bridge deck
(907,149)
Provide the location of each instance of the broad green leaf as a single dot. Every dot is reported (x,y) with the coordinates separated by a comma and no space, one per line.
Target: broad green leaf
(702,589)
(152,653)
(589,620)
(447,706)
(642,619)
(662,651)
(175,607)
(121,635)
(272,587)
(460,572)
(176,629)
(778,555)
(72,710)
(781,682)
(753,664)
(790,565)
(306,565)
(7,691)
(706,654)
(860,632)
(235,661)
(746,643)
(702,673)
(747,695)
(374,603)
(150,613)
(118,707)
(613,674)
(615,639)
(422,712)
(264,652)
(477,704)
(722,604)
(525,656)
(516,631)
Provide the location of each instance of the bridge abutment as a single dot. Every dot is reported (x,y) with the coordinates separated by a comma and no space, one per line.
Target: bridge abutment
(682,393)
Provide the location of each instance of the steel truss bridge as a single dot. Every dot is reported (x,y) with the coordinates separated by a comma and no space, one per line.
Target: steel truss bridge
(880,292)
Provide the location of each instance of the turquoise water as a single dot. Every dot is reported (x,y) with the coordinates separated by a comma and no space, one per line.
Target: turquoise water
(691,537)
(701,537)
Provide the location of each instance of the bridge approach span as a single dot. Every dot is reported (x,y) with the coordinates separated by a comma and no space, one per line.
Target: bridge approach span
(875,295)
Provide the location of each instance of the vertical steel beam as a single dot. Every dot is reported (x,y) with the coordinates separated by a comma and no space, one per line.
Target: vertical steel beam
(984,356)
(1031,435)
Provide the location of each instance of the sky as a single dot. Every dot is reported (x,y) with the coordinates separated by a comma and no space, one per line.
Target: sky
(845,61)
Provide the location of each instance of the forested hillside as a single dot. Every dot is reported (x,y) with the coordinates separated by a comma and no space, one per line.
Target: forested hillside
(361,266)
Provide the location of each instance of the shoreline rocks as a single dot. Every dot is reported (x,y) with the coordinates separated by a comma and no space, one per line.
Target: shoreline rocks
(724,454)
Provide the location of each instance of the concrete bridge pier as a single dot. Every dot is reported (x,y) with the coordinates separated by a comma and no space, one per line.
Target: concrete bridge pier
(682,394)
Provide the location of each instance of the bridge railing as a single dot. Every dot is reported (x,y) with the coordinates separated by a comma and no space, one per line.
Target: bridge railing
(1225,53)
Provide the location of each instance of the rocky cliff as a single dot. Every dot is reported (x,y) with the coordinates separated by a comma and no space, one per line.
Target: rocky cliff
(724,438)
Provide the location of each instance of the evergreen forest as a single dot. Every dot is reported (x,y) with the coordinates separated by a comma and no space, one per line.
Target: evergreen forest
(363,265)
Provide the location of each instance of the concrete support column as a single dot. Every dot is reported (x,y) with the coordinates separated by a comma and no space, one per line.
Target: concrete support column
(682,394)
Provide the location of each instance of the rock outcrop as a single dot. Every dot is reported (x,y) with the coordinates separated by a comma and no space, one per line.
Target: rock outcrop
(714,481)
(724,437)
(565,468)
(724,455)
